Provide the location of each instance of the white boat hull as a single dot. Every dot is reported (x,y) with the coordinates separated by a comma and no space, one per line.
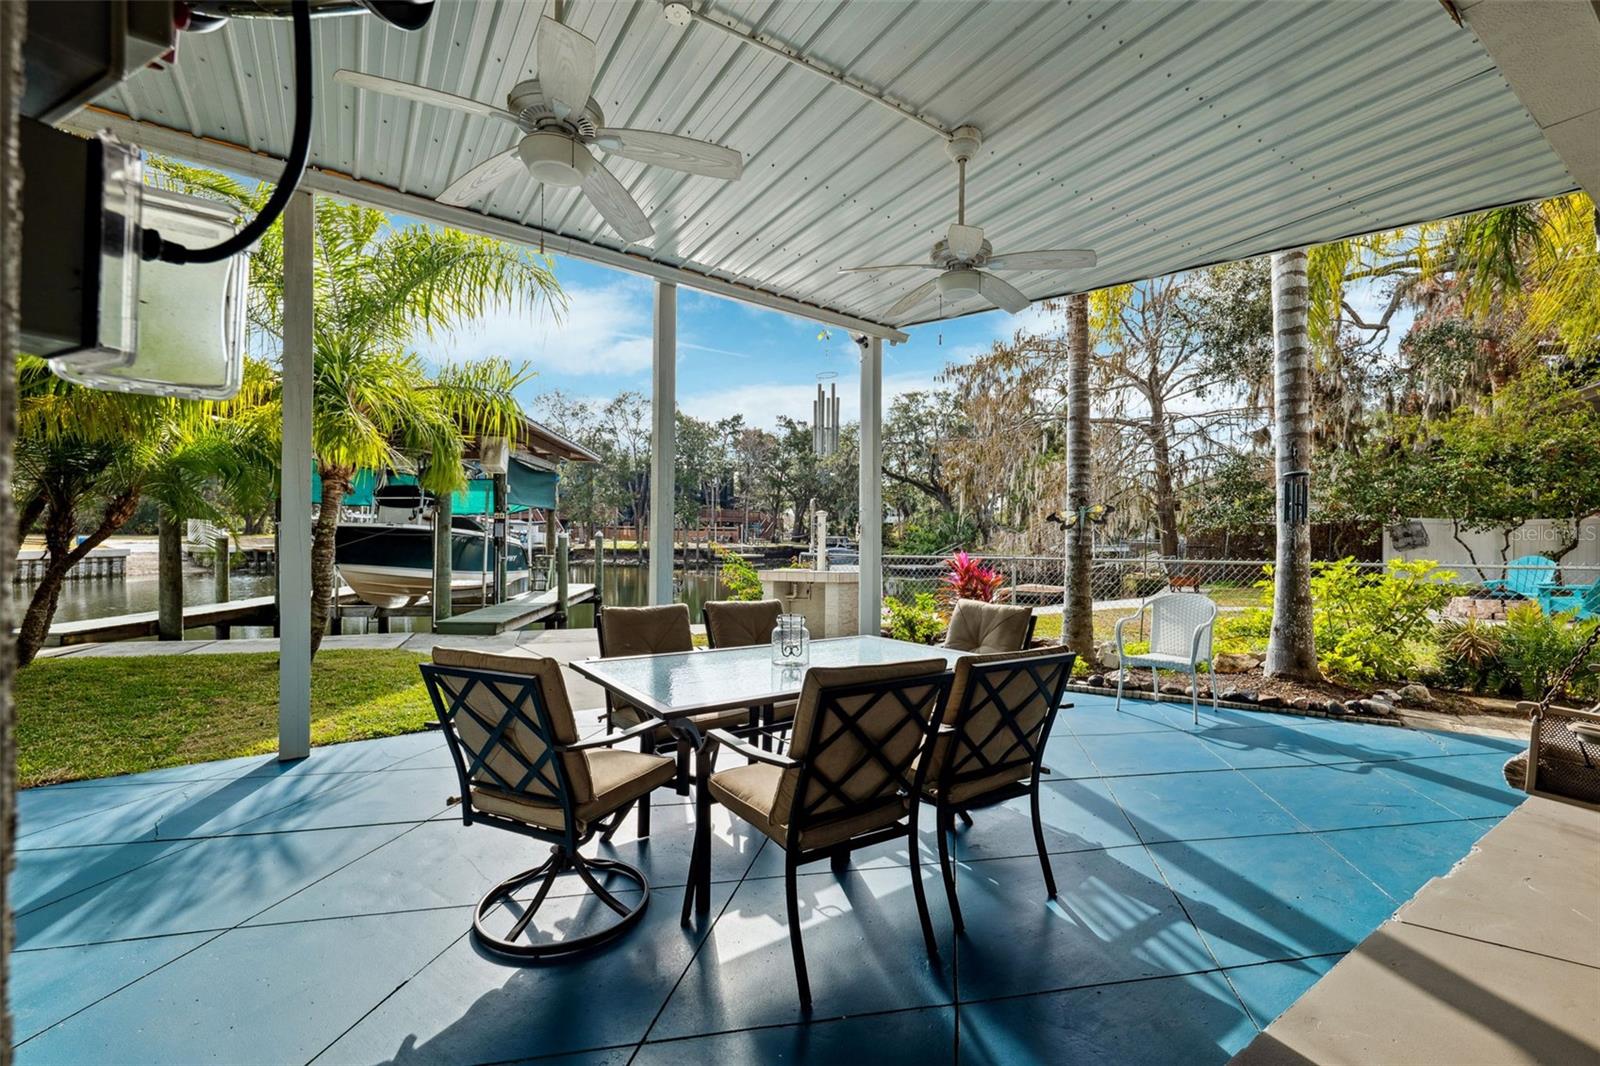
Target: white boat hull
(391,587)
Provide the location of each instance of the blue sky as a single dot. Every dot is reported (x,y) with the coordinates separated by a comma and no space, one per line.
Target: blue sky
(732,357)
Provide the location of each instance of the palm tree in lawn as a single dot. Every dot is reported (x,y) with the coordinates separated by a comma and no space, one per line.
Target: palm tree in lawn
(375,403)
(1291,650)
(1078,632)
(83,455)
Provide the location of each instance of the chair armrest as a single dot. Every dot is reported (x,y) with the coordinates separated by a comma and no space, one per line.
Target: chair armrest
(1122,622)
(609,739)
(1200,632)
(725,739)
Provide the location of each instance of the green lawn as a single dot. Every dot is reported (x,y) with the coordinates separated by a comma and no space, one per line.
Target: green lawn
(80,718)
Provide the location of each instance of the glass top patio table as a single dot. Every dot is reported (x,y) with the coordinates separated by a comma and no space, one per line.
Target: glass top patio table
(677,684)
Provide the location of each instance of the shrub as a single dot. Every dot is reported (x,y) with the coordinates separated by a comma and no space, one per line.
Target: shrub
(1369,625)
(1534,647)
(1242,632)
(739,579)
(968,579)
(916,620)
(1469,653)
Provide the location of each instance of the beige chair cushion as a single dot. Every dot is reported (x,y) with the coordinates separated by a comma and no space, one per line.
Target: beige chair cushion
(986,627)
(527,743)
(1020,694)
(736,624)
(619,777)
(646,631)
(751,792)
(885,724)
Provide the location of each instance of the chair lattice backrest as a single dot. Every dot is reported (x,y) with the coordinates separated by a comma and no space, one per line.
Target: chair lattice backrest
(857,734)
(504,728)
(641,631)
(986,627)
(1174,618)
(1000,709)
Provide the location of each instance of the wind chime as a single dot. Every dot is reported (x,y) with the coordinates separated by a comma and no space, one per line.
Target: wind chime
(1296,491)
(825,417)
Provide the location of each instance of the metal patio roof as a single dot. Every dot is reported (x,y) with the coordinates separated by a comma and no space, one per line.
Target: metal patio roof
(1164,135)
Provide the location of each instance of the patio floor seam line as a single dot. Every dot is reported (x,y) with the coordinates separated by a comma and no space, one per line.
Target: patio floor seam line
(203,943)
(234,836)
(711,929)
(1495,943)
(1011,996)
(99,812)
(386,997)
(558,1055)
(123,987)
(97,884)
(758,1028)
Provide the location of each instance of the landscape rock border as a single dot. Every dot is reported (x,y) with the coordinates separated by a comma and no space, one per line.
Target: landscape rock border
(1277,705)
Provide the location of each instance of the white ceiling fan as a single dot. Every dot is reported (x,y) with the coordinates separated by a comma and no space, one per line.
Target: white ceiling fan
(964,259)
(560,122)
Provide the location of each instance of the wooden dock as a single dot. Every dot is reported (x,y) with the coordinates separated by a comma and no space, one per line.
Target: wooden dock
(257,610)
(519,612)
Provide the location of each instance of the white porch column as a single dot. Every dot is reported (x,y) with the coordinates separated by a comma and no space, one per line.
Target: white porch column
(663,440)
(870,590)
(294,525)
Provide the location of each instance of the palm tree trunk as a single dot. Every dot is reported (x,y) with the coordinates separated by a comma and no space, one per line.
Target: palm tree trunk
(1079,625)
(59,527)
(335,484)
(1292,650)
(169,577)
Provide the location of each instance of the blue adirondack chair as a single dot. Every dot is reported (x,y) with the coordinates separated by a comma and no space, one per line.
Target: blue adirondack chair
(1556,598)
(1523,578)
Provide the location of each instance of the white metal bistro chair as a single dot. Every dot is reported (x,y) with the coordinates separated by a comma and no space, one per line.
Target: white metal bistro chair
(1180,639)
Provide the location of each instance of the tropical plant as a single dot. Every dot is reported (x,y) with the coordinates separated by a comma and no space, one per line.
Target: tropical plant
(1535,647)
(375,403)
(1469,652)
(967,578)
(739,579)
(916,620)
(1292,651)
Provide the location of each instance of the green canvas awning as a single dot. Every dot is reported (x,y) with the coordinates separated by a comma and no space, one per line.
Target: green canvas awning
(526,488)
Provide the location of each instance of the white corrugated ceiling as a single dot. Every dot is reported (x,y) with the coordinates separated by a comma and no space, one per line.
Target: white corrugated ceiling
(1161,134)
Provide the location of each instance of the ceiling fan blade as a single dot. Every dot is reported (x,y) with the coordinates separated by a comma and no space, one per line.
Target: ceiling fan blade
(483,178)
(964,242)
(674,152)
(620,210)
(418,94)
(880,268)
(566,67)
(1050,259)
(911,299)
(1002,294)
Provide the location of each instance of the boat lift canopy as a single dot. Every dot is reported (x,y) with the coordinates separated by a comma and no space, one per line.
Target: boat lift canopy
(527,487)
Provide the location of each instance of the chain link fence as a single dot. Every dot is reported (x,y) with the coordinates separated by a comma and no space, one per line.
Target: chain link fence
(1040,580)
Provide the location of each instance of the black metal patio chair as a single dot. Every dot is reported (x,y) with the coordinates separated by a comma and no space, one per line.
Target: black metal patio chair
(846,782)
(981,627)
(745,624)
(988,741)
(522,768)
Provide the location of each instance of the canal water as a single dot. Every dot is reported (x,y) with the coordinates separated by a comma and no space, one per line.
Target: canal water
(104,597)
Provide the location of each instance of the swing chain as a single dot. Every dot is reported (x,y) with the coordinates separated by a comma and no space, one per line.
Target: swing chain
(1560,681)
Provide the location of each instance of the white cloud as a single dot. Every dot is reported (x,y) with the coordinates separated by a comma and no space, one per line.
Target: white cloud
(604,330)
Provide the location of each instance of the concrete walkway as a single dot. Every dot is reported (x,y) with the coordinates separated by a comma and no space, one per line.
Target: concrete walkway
(1497,961)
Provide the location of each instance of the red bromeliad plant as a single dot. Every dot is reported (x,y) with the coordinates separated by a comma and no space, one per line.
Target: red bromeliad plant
(969,579)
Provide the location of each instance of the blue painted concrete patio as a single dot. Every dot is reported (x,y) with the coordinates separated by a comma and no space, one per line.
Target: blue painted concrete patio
(244,911)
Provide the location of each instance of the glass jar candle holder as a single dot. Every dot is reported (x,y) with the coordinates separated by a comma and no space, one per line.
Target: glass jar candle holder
(791,641)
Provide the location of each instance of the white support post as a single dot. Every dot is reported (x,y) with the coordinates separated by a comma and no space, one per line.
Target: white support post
(663,441)
(294,524)
(870,589)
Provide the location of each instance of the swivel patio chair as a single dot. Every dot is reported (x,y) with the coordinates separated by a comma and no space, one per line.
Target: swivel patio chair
(627,631)
(984,627)
(988,744)
(744,624)
(846,781)
(1523,578)
(521,767)
(1180,639)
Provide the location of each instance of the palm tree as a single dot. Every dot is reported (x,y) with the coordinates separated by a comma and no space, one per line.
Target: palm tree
(1079,627)
(1291,651)
(375,404)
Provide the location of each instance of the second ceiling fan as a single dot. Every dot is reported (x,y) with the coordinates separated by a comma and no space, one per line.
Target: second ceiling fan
(965,260)
(560,123)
